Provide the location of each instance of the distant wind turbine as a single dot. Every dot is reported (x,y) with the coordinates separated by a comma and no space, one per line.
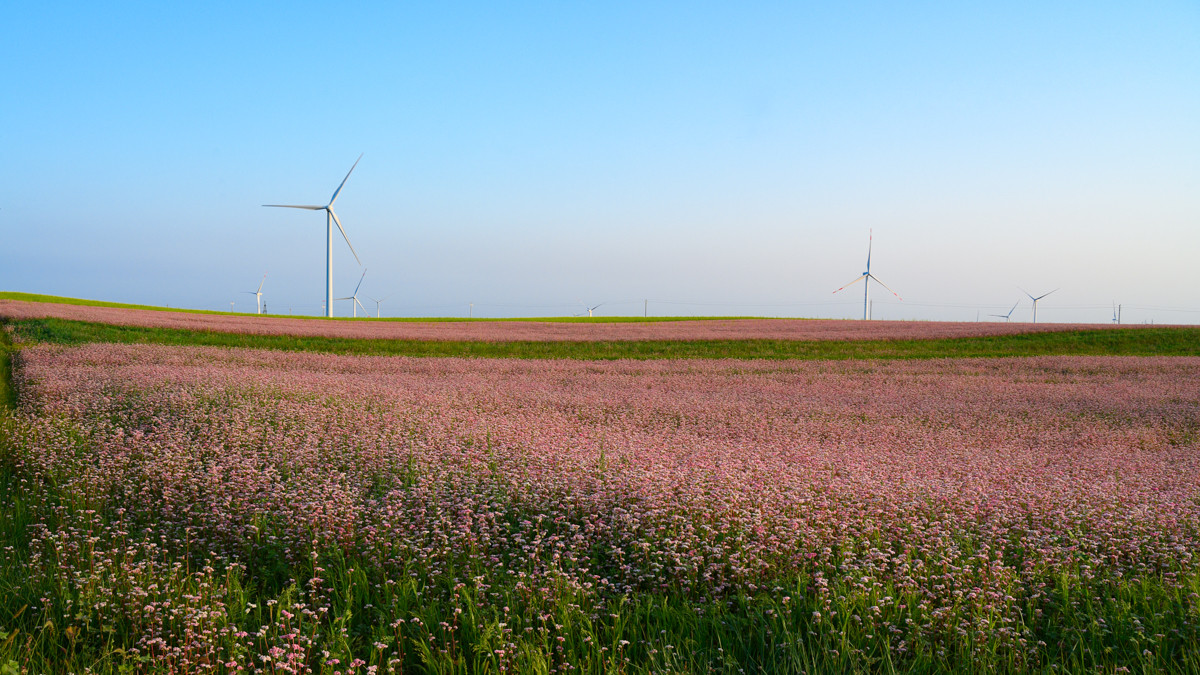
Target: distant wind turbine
(356,304)
(377,302)
(330,219)
(1006,316)
(1035,300)
(258,294)
(589,310)
(866,278)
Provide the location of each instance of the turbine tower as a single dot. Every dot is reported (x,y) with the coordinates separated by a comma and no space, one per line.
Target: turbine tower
(356,304)
(866,278)
(1035,300)
(1006,316)
(258,294)
(330,219)
(378,302)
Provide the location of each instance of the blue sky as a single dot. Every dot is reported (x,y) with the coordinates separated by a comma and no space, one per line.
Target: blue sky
(713,158)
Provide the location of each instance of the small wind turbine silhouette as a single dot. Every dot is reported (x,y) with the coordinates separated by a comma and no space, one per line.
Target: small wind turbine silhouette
(866,278)
(330,219)
(1035,300)
(377,302)
(1006,316)
(589,310)
(258,294)
(355,304)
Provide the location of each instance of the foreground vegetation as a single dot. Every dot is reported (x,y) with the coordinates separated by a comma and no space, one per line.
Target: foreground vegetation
(180,509)
(1143,341)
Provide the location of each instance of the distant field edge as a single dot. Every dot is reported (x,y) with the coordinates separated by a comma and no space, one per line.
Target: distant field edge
(60,300)
(1141,341)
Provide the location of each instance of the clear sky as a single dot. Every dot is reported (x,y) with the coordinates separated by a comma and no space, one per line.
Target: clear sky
(714,158)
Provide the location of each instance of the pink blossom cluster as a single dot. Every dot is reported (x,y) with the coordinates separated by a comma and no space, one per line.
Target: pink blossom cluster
(542,331)
(966,486)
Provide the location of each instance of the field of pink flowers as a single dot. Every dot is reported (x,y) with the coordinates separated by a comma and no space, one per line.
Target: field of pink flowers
(210,510)
(734,329)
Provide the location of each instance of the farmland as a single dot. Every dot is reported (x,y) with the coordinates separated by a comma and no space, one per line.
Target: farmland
(190,508)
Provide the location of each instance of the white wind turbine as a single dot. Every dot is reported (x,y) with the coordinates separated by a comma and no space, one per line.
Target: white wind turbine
(866,278)
(1006,316)
(588,309)
(258,294)
(377,304)
(1035,300)
(355,304)
(330,219)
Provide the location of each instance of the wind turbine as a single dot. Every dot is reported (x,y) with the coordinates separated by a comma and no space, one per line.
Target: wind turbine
(258,294)
(1035,300)
(588,309)
(330,219)
(1005,316)
(866,279)
(356,304)
(377,302)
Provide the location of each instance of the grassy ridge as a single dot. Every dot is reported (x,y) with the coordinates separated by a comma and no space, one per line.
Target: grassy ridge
(60,300)
(1173,341)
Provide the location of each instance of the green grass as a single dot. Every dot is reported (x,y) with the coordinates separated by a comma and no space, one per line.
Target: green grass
(60,300)
(1173,341)
(7,394)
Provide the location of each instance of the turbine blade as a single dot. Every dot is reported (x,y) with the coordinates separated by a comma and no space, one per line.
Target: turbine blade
(885,286)
(1045,294)
(360,280)
(296,206)
(1027,293)
(260,284)
(860,278)
(339,189)
(343,231)
(870,242)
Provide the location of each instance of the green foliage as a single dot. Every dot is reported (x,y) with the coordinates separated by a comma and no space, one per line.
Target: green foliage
(1172,341)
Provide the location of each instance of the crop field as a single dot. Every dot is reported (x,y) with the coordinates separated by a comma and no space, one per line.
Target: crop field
(177,508)
(579,329)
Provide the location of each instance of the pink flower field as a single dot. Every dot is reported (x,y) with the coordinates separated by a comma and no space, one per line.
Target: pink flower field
(499,331)
(1007,513)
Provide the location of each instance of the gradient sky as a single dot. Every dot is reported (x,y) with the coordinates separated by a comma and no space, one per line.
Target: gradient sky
(714,158)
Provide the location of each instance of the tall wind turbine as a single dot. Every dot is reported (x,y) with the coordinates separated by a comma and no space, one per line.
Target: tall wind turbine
(1006,316)
(1035,300)
(258,294)
(866,278)
(377,303)
(356,304)
(330,219)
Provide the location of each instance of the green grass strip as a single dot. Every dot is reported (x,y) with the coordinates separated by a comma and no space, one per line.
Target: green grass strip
(1173,341)
(8,397)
